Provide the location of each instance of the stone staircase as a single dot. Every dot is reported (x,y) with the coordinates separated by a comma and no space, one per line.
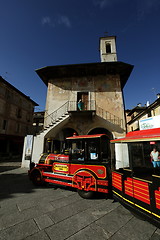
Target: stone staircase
(55,118)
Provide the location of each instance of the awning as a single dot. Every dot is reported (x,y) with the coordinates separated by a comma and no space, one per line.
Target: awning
(140,136)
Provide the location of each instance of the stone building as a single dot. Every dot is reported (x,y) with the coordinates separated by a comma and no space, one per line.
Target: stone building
(83,98)
(16,118)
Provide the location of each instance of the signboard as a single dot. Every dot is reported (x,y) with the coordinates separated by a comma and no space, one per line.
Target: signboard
(60,167)
(149,123)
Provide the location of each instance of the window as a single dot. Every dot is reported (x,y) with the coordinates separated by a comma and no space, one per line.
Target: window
(140,154)
(136,154)
(28,118)
(19,113)
(17,128)
(149,114)
(4,127)
(92,150)
(26,129)
(7,94)
(105,148)
(78,150)
(87,150)
(108,48)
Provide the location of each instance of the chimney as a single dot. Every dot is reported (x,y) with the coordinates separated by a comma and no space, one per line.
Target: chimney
(147,104)
(139,105)
(158,95)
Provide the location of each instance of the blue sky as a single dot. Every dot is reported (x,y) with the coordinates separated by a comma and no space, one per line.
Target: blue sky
(39,33)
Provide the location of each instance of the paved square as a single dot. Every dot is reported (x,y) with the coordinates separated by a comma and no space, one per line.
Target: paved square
(27,212)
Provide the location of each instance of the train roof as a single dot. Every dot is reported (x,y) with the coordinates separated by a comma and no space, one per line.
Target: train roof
(140,136)
(86,136)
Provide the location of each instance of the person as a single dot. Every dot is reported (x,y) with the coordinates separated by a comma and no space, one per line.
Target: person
(81,154)
(80,105)
(155,157)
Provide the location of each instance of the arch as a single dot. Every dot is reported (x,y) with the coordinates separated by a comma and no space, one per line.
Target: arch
(105,145)
(100,130)
(65,132)
(55,144)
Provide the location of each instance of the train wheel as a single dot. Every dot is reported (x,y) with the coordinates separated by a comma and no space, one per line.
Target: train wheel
(85,194)
(36,178)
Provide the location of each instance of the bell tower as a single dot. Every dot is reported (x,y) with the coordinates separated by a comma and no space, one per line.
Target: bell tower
(108,49)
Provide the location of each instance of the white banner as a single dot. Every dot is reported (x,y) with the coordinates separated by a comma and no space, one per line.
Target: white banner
(149,123)
(29,144)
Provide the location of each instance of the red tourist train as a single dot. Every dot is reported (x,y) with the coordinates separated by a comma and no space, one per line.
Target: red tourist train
(85,164)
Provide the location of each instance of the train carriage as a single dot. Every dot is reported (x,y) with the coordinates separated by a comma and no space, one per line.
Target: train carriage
(136,183)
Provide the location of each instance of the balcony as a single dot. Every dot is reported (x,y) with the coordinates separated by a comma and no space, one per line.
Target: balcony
(87,106)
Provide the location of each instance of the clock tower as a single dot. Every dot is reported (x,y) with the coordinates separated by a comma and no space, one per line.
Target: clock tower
(108,49)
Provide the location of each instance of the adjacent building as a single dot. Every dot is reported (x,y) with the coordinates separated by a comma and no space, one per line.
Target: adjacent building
(83,99)
(147,117)
(131,115)
(38,122)
(16,119)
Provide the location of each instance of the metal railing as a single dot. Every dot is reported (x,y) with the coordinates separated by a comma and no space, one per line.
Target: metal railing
(87,106)
(84,106)
(54,116)
(109,116)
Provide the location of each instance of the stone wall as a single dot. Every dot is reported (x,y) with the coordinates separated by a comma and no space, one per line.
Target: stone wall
(104,90)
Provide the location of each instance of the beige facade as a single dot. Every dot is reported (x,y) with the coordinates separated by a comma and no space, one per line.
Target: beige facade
(102,93)
(16,117)
(140,113)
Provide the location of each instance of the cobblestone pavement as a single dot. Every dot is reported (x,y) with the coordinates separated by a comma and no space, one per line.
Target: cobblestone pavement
(27,212)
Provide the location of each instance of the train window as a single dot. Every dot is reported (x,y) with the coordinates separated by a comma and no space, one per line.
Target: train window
(140,154)
(147,148)
(136,154)
(105,148)
(78,150)
(93,151)
(84,150)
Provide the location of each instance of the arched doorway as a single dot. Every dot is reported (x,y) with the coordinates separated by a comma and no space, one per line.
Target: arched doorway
(101,131)
(68,132)
(55,145)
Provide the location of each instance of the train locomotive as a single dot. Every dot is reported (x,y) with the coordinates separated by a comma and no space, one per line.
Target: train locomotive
(83,164)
